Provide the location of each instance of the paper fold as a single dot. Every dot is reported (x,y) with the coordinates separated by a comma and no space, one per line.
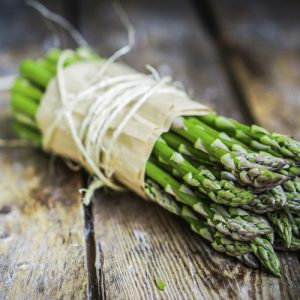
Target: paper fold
(134,145)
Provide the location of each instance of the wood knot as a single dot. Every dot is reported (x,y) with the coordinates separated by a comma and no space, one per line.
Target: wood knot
(5,209)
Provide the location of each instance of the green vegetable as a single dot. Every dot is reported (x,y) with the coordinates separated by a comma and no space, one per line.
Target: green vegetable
(235,185)
(160,284)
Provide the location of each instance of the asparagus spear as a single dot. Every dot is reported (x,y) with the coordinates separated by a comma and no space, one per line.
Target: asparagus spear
(79,55)
(293,201)
(187,149)
(40,72)
(282,226)
(248,173)
(249,260)
(292,190)
(270,161)
(218,241)
(22,118)
(264,159)
(221,243)
(26,132)
(234,222)
(25,88)
(218,191)
(34,72)
(281,245)
(270,142)
(273,199)
(268,201)
(264,251)
(262,248)
(23,104)
(294,221)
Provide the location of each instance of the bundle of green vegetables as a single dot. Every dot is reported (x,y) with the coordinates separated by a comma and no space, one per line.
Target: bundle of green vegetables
(235,185)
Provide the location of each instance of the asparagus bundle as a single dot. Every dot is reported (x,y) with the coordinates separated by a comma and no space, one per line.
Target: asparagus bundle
(235,185)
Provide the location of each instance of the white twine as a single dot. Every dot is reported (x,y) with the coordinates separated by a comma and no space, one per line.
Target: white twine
(111,97)
(56,18)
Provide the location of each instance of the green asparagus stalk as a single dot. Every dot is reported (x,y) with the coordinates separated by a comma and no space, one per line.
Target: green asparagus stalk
(249,260)
(262,248)
(293,201)
(247,172)
(264,159)
(187,149)
(268,201)
(22,118)
(26,132)
(281,245)
(234,222)
(24,87)
(264,251)
(34,72)
(218,241)
(292,190)
(282,226)
(218,191)
(256,136)
(23,104)
(209,157)
(79,55)
(294,220)
(273,199)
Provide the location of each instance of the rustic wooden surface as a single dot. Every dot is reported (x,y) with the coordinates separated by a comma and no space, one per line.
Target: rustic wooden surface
(42,250)
(262,43)
(47,239)
(136,241)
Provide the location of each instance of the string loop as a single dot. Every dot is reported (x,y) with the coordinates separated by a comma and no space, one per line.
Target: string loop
(111,97)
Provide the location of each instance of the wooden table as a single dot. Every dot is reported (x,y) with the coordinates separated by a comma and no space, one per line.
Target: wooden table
(240,58)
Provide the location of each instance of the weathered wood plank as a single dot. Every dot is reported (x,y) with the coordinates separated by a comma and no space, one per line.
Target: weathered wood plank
(41,245)
(42,251)
(263,42)
(171,42)
(138,241)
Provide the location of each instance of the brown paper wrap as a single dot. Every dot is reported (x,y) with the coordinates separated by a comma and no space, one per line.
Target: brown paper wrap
(134,145)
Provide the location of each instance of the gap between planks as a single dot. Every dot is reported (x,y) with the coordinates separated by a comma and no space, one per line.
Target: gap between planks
(95,280)
(95,289)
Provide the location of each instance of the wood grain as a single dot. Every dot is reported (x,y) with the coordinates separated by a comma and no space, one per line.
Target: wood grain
(171,40)
(42,250)
(41,227)
(137,241)
(41,223)
(262,42)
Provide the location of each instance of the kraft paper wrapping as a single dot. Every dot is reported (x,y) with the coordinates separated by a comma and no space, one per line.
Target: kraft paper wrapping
(134,145)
